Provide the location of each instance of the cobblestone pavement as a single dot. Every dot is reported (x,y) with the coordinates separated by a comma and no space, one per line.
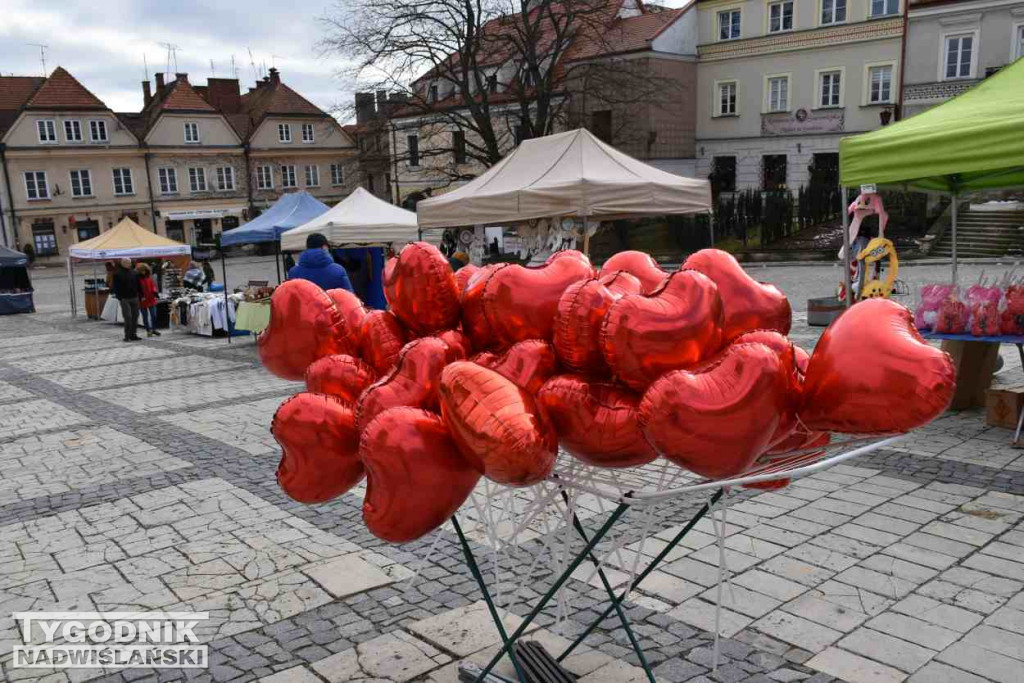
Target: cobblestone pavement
(141,477)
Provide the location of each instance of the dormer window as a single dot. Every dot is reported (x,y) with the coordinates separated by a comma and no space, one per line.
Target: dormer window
(98,131)
(72,131)
(47,130)
(284,133)
(433,93)
(192,133)
(307,133)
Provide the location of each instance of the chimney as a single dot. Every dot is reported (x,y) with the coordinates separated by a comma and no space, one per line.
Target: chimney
(275,75)
(159,83)
(382,101)
(224,94)
(364,107)
(147,94)
(181,78)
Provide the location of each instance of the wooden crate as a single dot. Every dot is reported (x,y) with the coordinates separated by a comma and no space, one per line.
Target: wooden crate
(1003,406)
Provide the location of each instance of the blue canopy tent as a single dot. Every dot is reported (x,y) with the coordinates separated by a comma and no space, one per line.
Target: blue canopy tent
(15,285)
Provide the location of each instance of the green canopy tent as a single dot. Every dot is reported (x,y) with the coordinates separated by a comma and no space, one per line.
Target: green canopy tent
(972,142)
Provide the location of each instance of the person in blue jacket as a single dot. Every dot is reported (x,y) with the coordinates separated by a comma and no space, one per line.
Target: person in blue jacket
(316,265)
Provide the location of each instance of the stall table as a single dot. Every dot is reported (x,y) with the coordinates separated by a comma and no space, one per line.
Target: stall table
(253,316)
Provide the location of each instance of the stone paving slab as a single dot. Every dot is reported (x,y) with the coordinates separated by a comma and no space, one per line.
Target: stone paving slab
(56,348)
(244,425)
(125,353)
(30,417)
(9,392)
(149,372)
(177,394)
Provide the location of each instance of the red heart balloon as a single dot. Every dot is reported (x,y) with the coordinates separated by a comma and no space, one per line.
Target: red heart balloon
(801,440)
(717,422)
(412,382)
(581,310)
(353,311)
(786,351)
(802,359)
(643,336)
(527,364)
(463,276)
(415,477)
(496,425)
(304,325)
(319,447)
(639,264)
(420,287)
(475,323)
(382,338)
(871,373)
(339,375)
(621,282)
(596,421)
(459,342)
(748,304)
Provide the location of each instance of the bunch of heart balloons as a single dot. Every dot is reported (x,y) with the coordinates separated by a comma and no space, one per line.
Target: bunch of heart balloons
(485,372)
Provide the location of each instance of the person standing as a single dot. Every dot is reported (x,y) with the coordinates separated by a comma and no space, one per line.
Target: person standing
(127,290)
(317,266)
(148,298)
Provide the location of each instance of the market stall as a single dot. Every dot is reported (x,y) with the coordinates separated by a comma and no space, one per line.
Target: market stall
(15,284)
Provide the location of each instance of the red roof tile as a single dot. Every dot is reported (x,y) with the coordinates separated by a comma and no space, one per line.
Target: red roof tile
(274,97)
(624,35)
(62,91)
(15,91)
(182,96)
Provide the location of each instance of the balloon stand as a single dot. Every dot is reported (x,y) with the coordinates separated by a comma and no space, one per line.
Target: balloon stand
(567,497)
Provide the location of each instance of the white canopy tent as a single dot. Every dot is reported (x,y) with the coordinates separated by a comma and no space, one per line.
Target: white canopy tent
(567,174)
(361,219)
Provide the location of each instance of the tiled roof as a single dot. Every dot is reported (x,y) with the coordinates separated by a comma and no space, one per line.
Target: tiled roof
(62,91)
(134,122)
(624,35)
(181,96)
(241,124)
(15,91)
(274,97)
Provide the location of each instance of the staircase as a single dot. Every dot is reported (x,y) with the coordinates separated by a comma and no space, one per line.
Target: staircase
(984,233)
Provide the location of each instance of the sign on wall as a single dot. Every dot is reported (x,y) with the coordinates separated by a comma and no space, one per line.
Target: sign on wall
(803,121)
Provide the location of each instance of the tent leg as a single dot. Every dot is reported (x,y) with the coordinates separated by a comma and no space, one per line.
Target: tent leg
(955,202)
(71,287)
(847,256)
(277,259)
(224,276)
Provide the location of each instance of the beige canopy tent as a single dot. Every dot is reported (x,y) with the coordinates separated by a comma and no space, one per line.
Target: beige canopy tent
(567,174)
(359,220)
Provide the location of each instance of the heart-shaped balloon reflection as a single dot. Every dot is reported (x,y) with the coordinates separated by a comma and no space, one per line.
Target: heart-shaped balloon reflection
(420,287)
(596,421)
(803,359)
(621,282)
(786,351)
(871,373)
(412,382)
(339,375)
(304,325)
(639,264)
(717,422)
(475,323)
(748,304)
(528,364)
(382,338)
(458,341)
(463,276)
(415,477)
(319,445)
(680,324)
(353,311)
(581,310)
(496,425)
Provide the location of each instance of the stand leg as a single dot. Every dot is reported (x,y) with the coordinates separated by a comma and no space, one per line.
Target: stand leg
(1020,420)
(475,571)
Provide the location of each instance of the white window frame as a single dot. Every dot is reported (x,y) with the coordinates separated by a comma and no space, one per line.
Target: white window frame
(265,177)
(35,182)
(196,174)
(1017,41)
(193,126)
(871,7)
(834,22)
(75,125)
(768,16)
(289,178)
(314,176)
(818,74)
(893,84)
(284,133)
(716,99)
(83,174)
(225,178)
(766,100)
(337,175)
(167,179)
(308,127)
(49,126)
(98,125)
(127,189)
(944,46)
(718,23)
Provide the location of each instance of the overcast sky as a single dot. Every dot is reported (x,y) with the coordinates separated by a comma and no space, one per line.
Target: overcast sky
(102,44)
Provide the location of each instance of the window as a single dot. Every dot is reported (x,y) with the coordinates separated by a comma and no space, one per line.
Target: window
(312,176)
(192,133)
(47,132)
(35,185)
(492,83)
(883,8)
(780,16)
(1018,42)
(197,179)
(833,11)
(225,178)
(337,177)
(168,180)
(72,131)
(264,178)
(723,174)
(729,24)
(778,93)
(98,131)
(433,93)
(44,238)
(958,56)
(412,142)
(528,77)
(307,133)
(829,88)
(601,125)
(773,171)
(726,100)
(284,132)
(288,176)
(880,84)
(123,181)
(81,183)
(459,147)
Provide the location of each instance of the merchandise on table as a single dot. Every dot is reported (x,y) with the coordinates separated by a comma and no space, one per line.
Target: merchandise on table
(205,313)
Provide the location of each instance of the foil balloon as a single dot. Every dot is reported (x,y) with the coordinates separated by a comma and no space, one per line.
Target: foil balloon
(319,445)
(748,304)
(415,477)
(353,311)
(717,422)
(381,340)
(802,360)
(596,421)
(797,441)
(420,288)
(677,326)
(621,282)
(871,373)
(339,375)
(413,381)
(581,310)
(527,364)
(786,351)
(475,323)
(497,426)
(463,276)
(304,325)
(639,264)
(458,341)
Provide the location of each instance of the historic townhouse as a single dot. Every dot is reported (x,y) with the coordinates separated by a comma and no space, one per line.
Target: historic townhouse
(781,81)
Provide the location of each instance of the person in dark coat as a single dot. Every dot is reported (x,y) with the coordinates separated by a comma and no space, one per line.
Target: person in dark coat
(127,289)
(317,266)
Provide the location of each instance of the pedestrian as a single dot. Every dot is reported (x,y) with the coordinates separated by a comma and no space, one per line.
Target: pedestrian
(289,261)
(317,265)
(127,290)
(147,302)
(458,260)
(208,272)
(194,277)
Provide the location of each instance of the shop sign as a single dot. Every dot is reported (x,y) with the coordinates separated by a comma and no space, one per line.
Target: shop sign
(201,213)
(803,121)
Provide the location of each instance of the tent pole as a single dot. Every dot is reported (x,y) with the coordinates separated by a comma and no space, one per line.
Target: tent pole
(954,235)
(847,280)
(277,259)
(224,276)
(71,287)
